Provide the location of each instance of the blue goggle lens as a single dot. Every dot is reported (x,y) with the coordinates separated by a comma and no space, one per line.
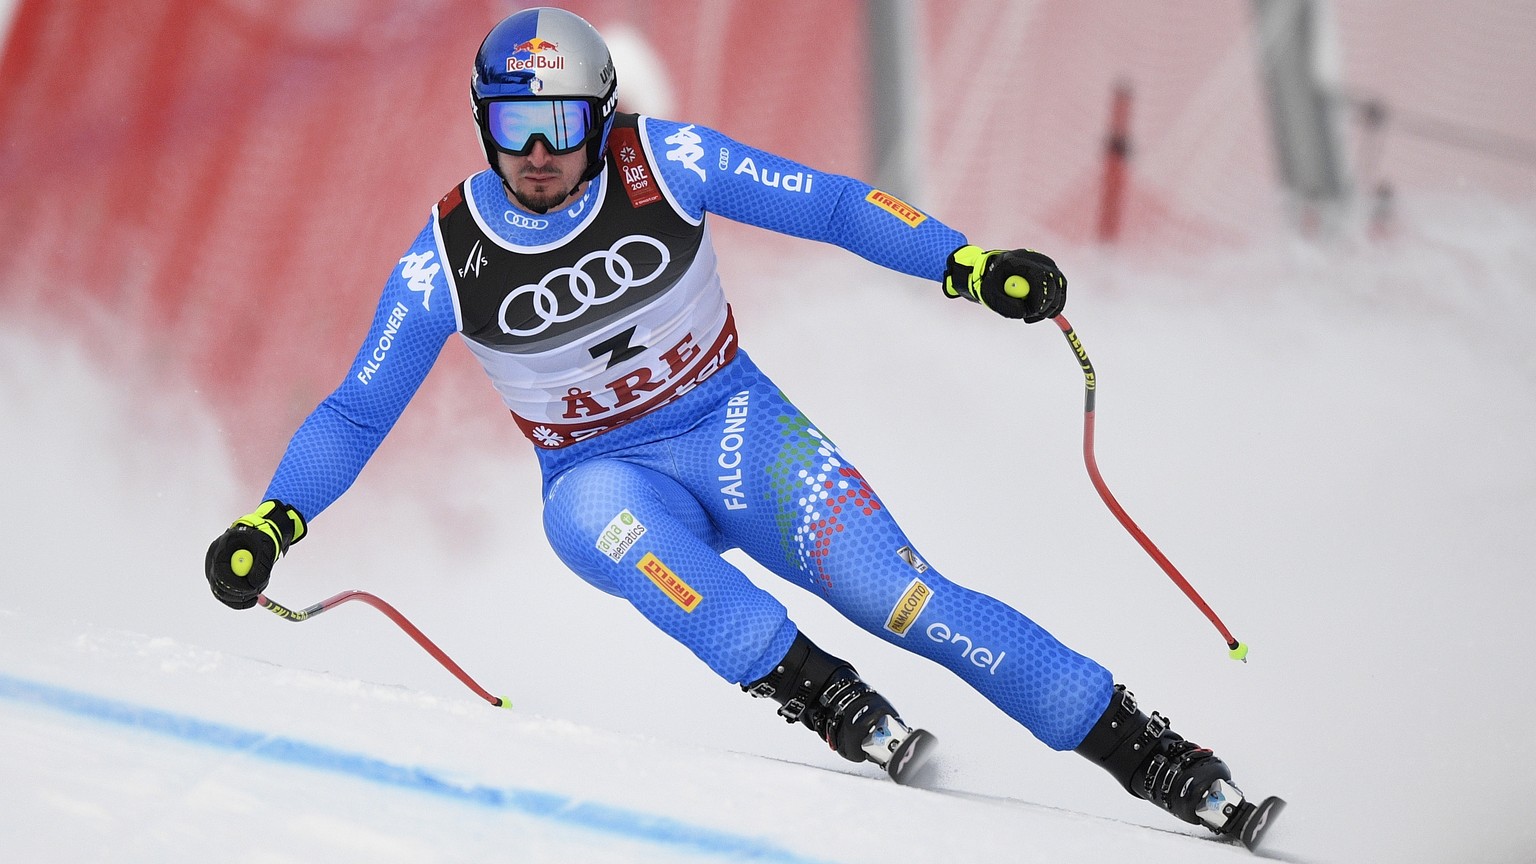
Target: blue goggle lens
(563,124)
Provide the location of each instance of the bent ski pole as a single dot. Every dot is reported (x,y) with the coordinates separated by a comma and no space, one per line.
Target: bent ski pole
(394,615)
(1237,650)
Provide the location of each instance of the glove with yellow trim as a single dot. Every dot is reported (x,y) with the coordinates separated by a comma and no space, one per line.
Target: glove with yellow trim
(239,562)
(1016,283)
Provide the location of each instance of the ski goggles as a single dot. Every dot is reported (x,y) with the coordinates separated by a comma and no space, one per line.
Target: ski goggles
(564,125)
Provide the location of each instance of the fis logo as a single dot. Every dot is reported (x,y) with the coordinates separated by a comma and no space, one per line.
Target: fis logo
(474,262)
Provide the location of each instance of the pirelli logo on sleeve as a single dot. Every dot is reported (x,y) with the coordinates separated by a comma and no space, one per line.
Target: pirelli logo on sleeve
(896,207)
(669,583)
(909,607)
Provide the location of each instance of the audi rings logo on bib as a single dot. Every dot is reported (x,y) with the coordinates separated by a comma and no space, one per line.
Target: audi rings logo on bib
(567,293)
(518,220)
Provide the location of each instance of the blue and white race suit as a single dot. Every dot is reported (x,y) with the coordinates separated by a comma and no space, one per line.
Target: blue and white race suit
(605,330)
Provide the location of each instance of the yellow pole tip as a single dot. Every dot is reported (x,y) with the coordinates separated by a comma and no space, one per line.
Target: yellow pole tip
(1240,652)
(505,703)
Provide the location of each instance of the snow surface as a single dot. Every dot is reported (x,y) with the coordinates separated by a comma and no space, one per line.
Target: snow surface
(1333,442)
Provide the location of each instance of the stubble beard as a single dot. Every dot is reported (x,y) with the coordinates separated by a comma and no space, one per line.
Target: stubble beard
(541,202)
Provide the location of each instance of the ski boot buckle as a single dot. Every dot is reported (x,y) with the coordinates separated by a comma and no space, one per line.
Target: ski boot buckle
(1220,804)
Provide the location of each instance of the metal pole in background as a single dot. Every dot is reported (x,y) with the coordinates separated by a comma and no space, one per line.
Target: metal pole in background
(896,97)
(1117,155)
(1293,40)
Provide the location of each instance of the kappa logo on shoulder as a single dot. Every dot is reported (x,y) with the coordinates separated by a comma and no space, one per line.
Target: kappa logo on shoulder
(419,277)
(686,149)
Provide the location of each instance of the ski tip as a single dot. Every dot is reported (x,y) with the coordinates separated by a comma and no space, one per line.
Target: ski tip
(1257,823)
(911,756)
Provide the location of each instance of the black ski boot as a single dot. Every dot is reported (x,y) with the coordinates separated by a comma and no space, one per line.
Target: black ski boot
(826,694)
(1154,763)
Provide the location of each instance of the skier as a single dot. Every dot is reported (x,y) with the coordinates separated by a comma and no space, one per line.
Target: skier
(579,270)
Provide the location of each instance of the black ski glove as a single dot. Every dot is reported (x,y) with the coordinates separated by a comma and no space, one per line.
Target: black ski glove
(239,562)
(1016,283)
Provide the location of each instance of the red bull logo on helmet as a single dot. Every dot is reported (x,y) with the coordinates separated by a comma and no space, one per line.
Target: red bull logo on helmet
(536,45)
(531,55)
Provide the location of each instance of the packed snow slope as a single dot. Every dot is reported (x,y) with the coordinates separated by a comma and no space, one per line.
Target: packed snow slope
(1333,441)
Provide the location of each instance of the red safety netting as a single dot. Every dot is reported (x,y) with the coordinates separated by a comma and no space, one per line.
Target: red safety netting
(227,184)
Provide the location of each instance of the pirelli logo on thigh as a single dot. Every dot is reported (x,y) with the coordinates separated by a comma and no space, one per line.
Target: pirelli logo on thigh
(908,607)
(669,583)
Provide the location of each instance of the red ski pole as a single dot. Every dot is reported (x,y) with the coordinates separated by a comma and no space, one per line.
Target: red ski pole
(1237,650)
(437,653)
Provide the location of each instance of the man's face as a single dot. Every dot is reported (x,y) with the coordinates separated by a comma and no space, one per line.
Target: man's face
(540,181)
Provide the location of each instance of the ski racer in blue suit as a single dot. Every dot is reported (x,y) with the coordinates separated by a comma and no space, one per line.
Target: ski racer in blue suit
(579,270)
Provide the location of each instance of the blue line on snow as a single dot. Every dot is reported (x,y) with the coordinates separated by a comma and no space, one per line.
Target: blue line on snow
(630,824)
